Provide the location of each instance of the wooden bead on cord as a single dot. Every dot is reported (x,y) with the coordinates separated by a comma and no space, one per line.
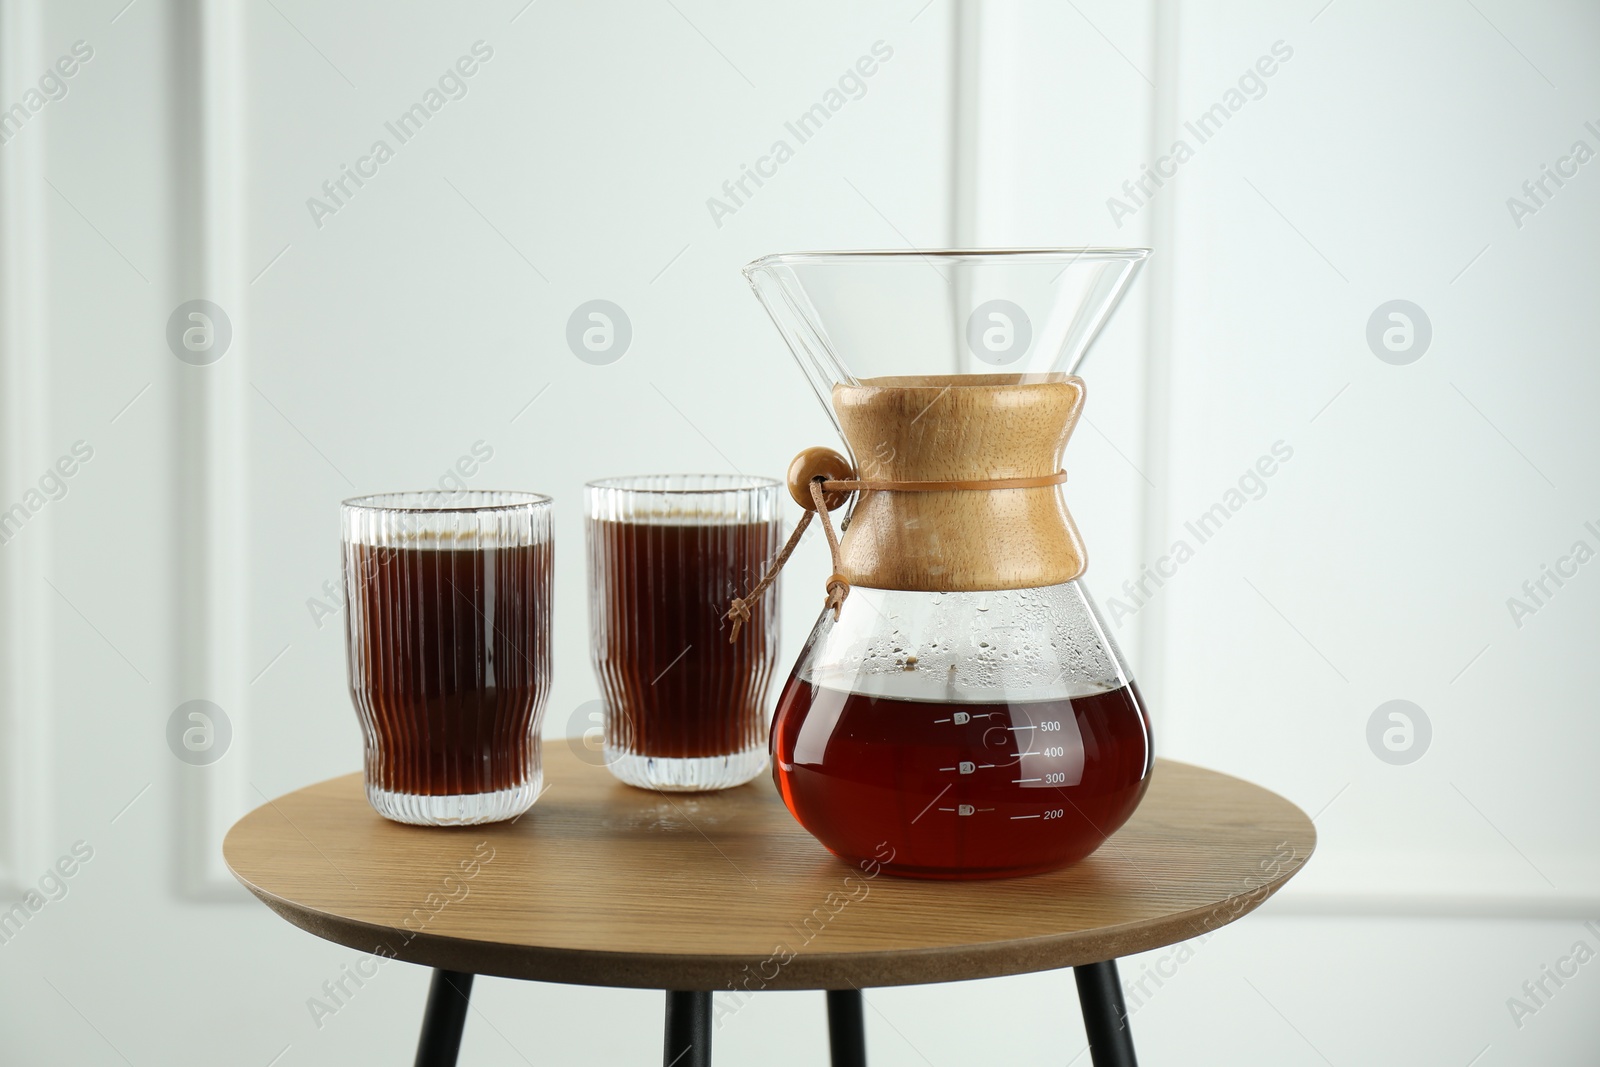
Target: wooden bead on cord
(819,462)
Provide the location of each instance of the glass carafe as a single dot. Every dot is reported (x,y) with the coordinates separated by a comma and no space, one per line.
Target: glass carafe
(962,710)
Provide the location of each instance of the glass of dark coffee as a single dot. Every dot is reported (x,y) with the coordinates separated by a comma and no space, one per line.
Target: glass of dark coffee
(448,634)
(686,709)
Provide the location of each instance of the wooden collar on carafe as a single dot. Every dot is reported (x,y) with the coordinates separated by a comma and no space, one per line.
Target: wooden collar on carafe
(829,479)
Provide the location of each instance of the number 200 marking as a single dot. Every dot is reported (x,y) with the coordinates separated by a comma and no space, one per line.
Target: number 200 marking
(1054,813)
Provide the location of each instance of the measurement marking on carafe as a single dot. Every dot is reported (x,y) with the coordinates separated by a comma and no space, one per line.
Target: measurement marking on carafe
(1016,817)
(1015,728)
(1019,781)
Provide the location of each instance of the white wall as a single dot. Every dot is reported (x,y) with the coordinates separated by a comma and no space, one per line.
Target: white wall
(373,351)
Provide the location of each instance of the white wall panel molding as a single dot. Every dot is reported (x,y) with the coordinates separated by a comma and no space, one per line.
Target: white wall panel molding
(25,688)
(965,49)
(1583,903)
(212,530)
(1159,282)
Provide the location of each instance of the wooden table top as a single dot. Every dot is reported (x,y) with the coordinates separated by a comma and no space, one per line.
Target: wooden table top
(604,884)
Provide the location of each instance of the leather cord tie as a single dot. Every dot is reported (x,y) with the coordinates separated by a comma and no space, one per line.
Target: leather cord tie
(838,586)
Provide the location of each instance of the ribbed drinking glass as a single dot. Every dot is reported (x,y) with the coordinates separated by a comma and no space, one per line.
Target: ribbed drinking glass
(685,708)
(448,609)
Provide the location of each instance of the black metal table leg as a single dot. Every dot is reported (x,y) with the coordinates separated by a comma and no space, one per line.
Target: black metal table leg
(847,1028)
(1105,1016)
(688,1040)
(444,1019)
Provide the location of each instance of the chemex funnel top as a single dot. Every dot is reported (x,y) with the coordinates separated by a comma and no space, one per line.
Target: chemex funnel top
(853,316)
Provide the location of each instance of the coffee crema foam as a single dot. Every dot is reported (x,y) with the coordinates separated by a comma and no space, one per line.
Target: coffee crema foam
(467,539)
(682,516)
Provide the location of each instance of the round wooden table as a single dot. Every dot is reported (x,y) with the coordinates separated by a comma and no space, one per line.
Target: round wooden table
(695,894)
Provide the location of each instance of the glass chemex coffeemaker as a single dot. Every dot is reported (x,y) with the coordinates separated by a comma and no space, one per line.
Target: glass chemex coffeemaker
(959,704)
